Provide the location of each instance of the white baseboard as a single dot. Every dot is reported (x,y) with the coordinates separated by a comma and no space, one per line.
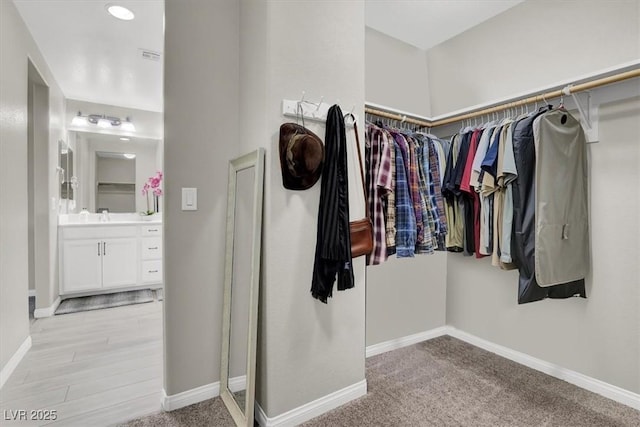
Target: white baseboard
(12,364)
(312,409)
(48,311)
(32,292)
(199,394)
(602,388)
(189,397)
(237,383)
(397,343)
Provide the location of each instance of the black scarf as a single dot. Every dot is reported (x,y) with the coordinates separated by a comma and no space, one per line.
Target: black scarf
(333,244)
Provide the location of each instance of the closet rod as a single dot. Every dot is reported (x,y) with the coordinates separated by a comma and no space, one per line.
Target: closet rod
(501,107)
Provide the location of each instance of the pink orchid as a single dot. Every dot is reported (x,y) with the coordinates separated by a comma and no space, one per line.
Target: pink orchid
(157,191)
(145,188)
(159,175)
(154,182)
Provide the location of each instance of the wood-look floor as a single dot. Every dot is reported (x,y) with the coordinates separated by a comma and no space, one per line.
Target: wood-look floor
(94,368)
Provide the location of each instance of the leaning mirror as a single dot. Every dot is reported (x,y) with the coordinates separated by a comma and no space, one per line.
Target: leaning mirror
(241,286)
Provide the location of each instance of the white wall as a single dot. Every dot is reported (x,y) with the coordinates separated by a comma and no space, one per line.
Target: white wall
(396,74)
(307,349)
(599,336)
(404,296)
(16,45)
(534,44)
(201,129)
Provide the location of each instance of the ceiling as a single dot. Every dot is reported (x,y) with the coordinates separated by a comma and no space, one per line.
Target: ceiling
(427,23)
(95,57)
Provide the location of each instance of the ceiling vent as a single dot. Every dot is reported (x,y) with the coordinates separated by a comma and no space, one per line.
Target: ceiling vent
(150,55)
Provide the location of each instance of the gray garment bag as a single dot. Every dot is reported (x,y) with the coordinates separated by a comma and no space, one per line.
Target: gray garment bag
(562,218)
(524,220)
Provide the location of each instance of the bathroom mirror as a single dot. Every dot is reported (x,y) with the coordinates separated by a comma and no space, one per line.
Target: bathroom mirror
(241,286)
(113,169)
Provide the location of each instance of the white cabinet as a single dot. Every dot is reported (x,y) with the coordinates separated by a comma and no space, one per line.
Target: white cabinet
(119,262)
(82,265)
(103,257)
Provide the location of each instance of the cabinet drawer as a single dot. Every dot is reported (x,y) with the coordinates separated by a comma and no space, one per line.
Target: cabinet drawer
(152,248)
(152,230)
(105,231)
(152,271)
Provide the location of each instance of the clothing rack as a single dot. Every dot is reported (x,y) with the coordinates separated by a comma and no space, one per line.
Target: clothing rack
(502,106)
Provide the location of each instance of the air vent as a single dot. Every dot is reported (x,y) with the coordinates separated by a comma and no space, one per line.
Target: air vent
(150,55)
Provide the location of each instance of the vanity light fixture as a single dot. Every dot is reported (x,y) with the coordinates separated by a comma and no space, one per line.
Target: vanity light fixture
(103,121)
(129,156)
(120,12)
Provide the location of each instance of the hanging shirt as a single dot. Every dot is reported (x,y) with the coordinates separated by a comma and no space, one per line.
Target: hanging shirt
(405,216)
(390,205)
(428,221)
(414,188)
(510,173)
(378,163)
(454,240)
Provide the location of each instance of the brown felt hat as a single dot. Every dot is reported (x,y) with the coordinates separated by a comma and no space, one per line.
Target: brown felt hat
(301,157)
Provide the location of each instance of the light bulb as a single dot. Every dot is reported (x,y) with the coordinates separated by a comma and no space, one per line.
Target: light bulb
(129,155)
(128,127)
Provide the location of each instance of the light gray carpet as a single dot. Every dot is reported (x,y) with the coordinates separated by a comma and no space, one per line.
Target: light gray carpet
(97,302)
(444,382)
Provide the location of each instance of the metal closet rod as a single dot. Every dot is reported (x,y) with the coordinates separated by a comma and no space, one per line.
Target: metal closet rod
(501,107)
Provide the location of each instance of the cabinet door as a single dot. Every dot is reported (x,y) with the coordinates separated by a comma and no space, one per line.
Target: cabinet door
(82,265)
(119,262)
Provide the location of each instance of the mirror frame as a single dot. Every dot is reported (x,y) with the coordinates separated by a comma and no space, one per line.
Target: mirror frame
(252,159)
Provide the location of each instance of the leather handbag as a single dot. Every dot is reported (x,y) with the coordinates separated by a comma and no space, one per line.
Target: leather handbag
(361,230)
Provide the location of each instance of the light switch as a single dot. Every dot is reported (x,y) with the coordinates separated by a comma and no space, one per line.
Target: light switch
(189,199)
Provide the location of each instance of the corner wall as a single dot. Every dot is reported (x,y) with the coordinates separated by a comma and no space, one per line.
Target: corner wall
(404,296)
(599,336)
(201,133)
(16,46)
(307,349)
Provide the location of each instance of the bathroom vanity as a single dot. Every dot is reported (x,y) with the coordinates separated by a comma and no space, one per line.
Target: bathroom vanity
(124,252)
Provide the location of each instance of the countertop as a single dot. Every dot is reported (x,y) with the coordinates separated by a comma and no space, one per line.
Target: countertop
(115,219)
(108,223)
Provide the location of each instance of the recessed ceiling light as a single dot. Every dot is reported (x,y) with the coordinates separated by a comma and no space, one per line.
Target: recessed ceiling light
(125,139)
(129,156)
(120,12)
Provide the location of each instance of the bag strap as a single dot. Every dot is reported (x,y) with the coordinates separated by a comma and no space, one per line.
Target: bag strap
(364,189)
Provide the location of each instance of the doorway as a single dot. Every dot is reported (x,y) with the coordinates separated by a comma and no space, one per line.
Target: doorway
(37,186)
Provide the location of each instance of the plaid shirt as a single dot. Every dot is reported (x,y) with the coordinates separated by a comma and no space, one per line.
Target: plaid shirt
(378,160)
(436,193)
(405,214)
(389,204)
(428,228)
(414,188)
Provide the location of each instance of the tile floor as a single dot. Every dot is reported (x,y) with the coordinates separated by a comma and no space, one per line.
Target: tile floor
(94,368)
